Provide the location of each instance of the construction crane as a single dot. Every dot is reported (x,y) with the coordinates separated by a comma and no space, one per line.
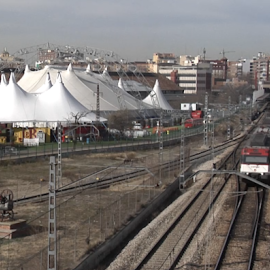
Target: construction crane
(223,53)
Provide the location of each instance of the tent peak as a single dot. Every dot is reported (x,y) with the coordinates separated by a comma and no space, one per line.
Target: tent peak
(70,68)
(120,84)
(12,78)
(48,78)
(27,69)
(3,79)
(59,77)
(88,69)
(157,82)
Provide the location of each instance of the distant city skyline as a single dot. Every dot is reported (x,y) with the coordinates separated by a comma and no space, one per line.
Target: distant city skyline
(135,30)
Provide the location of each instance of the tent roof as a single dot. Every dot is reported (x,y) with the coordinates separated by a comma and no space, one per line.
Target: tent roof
(55,104)
(157,93)
(16,104)
(82,85)
(60,105)
(46,86)
(3,80)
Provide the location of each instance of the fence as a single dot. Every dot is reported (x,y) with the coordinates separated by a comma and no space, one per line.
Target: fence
(67,148)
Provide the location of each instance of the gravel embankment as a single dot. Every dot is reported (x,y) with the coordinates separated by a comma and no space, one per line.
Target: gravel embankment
(140,245)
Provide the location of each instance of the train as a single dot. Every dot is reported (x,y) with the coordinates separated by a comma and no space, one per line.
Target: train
(255,156)
(197,114)
(195,120)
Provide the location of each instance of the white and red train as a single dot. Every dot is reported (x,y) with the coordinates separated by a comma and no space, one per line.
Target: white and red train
(255,156)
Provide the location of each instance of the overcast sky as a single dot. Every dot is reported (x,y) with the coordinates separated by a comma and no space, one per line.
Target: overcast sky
(137,29)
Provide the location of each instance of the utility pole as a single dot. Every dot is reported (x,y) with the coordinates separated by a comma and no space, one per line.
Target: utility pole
(206,126)
(229,119)
(160,144)
(98,105)
(59,155)
(52,235)
(240,103)
(182,153)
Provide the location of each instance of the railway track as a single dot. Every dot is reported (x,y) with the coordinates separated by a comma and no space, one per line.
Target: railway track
(239,246)
(91,181)
(171,246)
(169,251)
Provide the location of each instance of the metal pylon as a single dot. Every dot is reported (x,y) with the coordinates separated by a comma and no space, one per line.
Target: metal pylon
(229,119)
(160,144)
(206,124)
(182,151)
(52,245)
(59,155)
(240,103)
(98,105)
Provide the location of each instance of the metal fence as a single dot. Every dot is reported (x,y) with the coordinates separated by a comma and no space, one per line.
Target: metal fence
(67,148)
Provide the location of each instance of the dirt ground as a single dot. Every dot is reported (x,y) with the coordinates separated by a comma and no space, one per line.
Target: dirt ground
(84,218)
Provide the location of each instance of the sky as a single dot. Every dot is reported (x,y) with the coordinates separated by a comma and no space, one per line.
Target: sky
(135,30)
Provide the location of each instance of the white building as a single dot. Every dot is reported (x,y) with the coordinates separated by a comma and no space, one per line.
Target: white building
(193,78)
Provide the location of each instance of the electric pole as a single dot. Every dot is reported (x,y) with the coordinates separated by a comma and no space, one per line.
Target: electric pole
(206,126)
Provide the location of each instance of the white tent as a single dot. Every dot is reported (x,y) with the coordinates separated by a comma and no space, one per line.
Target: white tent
(83,85)
(120,84)
(46,86)
(57,104)
(158,95)
(53,105)
(16,104)
(3,81)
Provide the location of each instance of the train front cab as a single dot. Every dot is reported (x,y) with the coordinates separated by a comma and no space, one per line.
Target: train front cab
(255,163)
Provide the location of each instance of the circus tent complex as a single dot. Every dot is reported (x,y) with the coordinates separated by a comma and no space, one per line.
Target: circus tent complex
(56,94)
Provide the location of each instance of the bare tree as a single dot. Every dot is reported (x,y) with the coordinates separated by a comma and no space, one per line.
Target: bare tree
(121,120)
(75,118)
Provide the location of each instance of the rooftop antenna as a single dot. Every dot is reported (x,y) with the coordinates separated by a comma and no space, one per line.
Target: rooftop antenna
(204,52)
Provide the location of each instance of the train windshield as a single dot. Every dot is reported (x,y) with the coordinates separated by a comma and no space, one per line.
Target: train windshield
(255,159)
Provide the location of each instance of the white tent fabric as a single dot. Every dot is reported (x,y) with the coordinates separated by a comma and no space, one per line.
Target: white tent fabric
(82,85)
(120,84)
(53,105)
(46,86)
(57,104)
(3,80)
(163,103)
(16,104)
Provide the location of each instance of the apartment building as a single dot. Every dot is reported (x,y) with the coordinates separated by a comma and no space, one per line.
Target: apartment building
(159,58)
(235,69)
(191,78)
(259,69)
